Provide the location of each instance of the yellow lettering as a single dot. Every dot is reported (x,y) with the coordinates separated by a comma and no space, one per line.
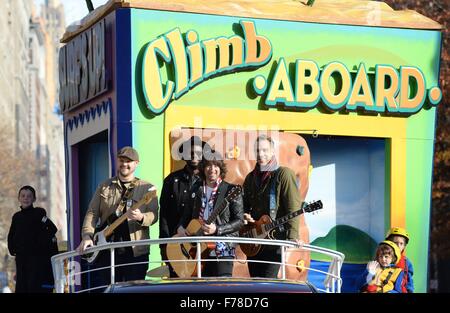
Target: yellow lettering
(195,58)
(151,80)
(255,43)
(280,89)
(335,101)
(385,95)
(180,61)
(414,104)
(361,83)
(304,99)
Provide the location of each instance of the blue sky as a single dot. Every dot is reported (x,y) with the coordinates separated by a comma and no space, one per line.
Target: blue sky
(74,9)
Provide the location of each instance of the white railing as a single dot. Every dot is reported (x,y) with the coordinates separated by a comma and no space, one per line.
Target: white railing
(66,273)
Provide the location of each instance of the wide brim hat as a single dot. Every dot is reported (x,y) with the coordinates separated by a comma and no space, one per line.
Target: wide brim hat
(192,141)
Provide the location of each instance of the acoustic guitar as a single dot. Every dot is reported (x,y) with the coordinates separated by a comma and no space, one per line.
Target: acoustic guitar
(101,237)
(181,256)
(264,227)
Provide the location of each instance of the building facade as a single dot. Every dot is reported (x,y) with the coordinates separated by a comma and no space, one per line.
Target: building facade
(29,43)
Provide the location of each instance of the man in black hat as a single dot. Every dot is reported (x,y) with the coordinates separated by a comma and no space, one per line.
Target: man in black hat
(178,191)
(113,198)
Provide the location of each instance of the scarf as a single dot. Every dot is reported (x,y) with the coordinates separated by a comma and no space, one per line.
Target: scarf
(262,173)
(211,200)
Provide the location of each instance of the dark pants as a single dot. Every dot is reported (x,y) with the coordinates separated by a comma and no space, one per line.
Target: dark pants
(122,273)
(33,274)
(264,269)
(218,267)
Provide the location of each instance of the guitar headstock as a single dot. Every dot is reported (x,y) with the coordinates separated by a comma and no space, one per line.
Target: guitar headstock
(149,195)
(234,193)
(313,206)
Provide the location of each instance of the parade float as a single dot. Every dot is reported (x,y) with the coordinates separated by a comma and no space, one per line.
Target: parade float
(347,88)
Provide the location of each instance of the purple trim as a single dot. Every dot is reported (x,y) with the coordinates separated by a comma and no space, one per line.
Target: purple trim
(76,197)
(87,116)
(111,140)
(68,193)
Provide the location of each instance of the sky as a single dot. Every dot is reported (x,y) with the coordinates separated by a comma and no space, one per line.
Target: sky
(74,9)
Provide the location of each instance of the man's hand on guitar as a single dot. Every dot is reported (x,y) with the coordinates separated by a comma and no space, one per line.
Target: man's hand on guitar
(248,219)
(135,215)
(209,229)
(84,244)
(182,232)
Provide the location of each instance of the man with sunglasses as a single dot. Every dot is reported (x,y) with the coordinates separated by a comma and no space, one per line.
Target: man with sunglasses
(178,191)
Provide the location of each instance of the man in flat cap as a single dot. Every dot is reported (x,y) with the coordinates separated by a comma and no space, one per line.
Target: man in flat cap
(114,198)
(178,191)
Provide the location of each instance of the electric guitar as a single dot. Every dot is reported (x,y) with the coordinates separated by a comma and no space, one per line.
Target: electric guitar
(101,237)
(183,255)
(264,227)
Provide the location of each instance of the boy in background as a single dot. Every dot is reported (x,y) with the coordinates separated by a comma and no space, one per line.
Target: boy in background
(400,237)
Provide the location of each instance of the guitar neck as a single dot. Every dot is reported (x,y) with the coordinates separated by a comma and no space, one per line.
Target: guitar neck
(235,191)
(283,220)
(216,212)
(108,231)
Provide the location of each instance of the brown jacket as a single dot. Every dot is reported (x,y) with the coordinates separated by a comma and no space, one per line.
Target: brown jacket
(105,201)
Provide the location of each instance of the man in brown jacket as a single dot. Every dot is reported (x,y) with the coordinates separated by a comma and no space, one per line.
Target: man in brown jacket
(270,190)
(113,198)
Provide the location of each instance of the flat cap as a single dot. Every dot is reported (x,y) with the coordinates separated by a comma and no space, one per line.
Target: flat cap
(128,152)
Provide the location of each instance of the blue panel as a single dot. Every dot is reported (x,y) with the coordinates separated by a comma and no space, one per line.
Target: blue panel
(93,169)
(123,78)
(354,170)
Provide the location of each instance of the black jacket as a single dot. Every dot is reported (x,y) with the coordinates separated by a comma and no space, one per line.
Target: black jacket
(231,218)
(32,233)
(31,239)
(176,198)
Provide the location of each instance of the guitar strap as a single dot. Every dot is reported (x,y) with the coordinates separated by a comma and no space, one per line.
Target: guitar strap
(281,229)
(126,196)
(273,196)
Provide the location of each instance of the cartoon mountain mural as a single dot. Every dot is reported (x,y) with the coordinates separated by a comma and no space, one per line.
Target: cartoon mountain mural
(357,246)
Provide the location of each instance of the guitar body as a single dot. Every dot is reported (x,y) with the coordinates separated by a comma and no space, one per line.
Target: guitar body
(182,256)
(99,239)
(254,230)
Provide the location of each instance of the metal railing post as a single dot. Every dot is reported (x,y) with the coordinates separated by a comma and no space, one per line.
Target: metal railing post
(283,262)
(338,269)
(70,283)
(113,266)
(199,260)
(59,280)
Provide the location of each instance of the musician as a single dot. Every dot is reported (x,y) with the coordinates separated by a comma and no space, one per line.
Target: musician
(114,197)
(270,190)
(177,191)
(228,222)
